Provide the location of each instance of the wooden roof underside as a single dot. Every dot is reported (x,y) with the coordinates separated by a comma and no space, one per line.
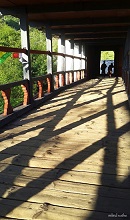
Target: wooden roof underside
(93,21)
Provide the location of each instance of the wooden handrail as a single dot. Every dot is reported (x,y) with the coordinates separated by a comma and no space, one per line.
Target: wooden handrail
(41,77)
(40,52)
(13,84)
(12,49)
(19,50)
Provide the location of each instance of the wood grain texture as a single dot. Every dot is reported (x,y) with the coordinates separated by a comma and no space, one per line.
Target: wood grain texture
(70,158)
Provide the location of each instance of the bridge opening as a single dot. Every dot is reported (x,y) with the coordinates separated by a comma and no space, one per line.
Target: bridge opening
(108,58)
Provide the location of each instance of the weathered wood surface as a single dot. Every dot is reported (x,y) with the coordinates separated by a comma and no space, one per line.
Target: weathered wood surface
(70,158)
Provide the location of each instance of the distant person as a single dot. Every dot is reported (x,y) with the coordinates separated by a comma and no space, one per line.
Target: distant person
(110,69)
(103,68)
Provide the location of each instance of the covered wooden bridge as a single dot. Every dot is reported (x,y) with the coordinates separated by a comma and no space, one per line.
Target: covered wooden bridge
(65,154)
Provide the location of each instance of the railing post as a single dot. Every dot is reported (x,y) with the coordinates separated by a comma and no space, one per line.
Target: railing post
(25,89)
(69,60)
(72,60)
(78,75)
(49,56)
(6,97)
(71,77)
(40,88)
(82,61)
(26,61)
(63,79)
(49,83)
(61,59)
(76,62)
(57,81)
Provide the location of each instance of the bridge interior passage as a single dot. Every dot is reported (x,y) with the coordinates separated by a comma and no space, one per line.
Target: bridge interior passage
(69,158)
(84,28)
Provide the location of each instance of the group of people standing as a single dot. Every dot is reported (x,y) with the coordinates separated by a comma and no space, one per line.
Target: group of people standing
(103,68)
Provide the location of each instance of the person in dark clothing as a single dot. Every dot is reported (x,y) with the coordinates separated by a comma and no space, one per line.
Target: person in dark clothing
(110,69)
(103,68)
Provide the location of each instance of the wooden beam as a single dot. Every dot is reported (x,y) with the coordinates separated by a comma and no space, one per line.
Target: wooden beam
(78,6)
(97,35)
(109,42)
(74,30)
(91,21)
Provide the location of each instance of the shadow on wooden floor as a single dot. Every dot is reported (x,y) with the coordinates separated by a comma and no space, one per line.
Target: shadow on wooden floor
(106,199)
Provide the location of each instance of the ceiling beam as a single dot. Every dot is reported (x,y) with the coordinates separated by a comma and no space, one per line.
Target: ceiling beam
(55,23)
(79,6)
(107,42)
(89,30)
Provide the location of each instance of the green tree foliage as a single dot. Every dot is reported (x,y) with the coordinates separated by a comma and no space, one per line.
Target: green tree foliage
(55,48)
(107,55)
(12,22)
(38,42)
(11,69)
(8,36)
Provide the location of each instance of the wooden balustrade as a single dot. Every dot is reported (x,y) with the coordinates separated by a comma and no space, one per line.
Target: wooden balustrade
(66,79)
(25,88)
(6,97)
(6,93)
(60,79)
(40,88)
(57,81)
(71,78)
(49,83)
(78,75)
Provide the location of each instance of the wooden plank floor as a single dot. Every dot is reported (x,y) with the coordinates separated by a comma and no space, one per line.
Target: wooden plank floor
(70,158)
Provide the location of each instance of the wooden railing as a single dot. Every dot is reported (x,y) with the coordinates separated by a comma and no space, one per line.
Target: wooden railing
(52,81)
(67,76)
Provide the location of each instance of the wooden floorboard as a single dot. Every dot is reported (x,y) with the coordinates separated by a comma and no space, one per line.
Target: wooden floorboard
(70,158)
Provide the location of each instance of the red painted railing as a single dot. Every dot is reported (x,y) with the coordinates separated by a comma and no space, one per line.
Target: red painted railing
(52,81)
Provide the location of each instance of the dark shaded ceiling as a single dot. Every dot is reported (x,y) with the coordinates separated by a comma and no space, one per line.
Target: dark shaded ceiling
(92,21)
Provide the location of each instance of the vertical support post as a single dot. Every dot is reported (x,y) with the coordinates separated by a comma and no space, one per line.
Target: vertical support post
(79,62)
(61,59)
(82,61)
(25,43)
(68,61)
(86,61)
(72,61)
(76,61)
(49,56)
